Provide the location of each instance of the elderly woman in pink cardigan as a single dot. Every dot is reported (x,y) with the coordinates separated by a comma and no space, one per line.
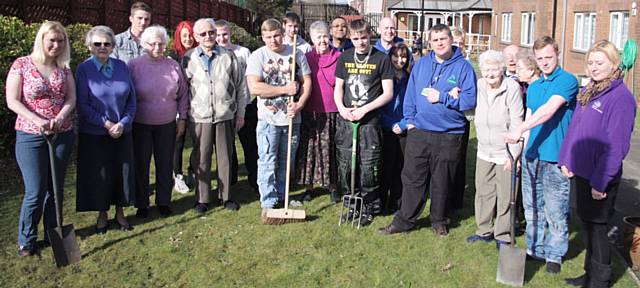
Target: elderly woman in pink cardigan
(316,162)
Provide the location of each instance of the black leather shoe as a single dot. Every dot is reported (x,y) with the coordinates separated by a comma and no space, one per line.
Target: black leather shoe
(553,267)
(579,281)
(165,211)
(142,213)
(26,251)
(201,208)
(124,226)
(390,230)
(101,230)
(231,205)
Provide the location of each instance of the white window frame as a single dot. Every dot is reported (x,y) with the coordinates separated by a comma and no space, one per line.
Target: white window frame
(584,30)
(527,28)
(619,28)
(505,34)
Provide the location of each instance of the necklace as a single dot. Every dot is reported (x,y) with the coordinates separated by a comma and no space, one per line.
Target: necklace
(363,62)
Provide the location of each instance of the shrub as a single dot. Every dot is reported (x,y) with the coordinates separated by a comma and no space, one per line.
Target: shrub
(18,38)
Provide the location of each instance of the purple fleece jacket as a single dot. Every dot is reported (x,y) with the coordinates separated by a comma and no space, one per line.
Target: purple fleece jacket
(599,135)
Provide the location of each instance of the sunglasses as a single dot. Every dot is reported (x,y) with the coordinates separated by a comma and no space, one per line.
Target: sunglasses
(103,44)
(210,33)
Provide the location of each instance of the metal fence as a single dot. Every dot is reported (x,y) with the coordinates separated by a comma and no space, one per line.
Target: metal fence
(115,13)
(310,13)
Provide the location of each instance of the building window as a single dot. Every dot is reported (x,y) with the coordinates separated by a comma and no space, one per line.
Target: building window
(527,28)
(584,30)
(619,31)
(505,36)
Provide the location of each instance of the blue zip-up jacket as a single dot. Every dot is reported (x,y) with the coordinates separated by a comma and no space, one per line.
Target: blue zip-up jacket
(391,113)
(446,115)
(386,51)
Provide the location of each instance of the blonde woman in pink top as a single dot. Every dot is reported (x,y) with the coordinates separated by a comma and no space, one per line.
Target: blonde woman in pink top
(316,163)
(40,88)
(162,93)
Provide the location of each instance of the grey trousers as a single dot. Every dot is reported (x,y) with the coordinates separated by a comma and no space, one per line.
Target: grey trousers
(206,136)
(493,186)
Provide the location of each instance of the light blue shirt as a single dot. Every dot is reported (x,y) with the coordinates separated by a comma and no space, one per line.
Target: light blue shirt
(105,69)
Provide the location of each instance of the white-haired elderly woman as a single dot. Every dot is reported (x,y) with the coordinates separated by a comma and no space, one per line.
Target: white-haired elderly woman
(41,91)
(316,153)
(499,107)
(106,102)
(162,93)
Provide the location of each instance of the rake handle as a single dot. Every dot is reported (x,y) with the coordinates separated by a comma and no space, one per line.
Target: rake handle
(354,154)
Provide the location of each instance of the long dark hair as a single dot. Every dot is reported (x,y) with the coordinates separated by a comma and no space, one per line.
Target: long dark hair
(401,50)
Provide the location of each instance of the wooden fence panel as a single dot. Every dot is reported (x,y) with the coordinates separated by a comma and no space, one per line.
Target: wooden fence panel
(115,13)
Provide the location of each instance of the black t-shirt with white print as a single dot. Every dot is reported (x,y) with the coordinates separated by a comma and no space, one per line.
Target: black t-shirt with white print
(363,81)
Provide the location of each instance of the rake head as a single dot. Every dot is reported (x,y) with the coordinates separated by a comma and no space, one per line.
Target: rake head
(351,211)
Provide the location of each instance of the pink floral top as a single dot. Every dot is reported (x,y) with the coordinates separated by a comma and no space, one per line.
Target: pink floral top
(45,97)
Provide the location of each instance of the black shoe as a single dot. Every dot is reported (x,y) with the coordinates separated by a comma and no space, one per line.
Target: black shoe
(103,229)
(124,226)
(201,208)
(390,230)
(553,267)
(440,230)
(165,211)
(307,197)
(335,196)
(500,243)
(579,281)
(534,258)
(231,205)
(366,219)
(26,251)
(142,213)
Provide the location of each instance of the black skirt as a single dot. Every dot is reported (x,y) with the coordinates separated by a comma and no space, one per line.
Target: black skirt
(589,209)
(105,172)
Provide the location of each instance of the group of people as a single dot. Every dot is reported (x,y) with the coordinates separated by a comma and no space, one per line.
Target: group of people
(412,120)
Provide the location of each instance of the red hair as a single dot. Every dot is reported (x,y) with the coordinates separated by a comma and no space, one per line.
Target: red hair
(177,44)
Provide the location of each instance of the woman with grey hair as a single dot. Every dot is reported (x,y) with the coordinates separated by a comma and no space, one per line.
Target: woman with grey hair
(499,107)
(316,153)
(162,93)
(106,103)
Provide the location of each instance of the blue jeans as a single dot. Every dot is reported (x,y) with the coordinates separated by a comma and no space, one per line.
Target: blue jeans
(32,154)
(272,160)
(545,197)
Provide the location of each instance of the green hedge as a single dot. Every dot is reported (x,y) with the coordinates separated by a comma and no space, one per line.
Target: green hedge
(17,38)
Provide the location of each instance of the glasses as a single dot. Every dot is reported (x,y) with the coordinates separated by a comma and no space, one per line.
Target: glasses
(210,33)
(101,44)
(158,44)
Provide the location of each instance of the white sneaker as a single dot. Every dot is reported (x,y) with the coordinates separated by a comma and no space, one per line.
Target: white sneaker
(179,184)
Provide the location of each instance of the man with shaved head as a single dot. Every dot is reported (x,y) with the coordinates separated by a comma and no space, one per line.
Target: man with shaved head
(511,60)
(388,35)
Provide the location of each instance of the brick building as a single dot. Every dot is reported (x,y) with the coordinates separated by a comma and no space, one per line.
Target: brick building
(520,22)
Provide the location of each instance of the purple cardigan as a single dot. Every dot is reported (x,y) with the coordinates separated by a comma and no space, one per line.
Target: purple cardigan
(323,71)
(599,135)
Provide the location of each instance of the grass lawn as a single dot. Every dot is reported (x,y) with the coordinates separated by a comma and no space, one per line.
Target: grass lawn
(232,249)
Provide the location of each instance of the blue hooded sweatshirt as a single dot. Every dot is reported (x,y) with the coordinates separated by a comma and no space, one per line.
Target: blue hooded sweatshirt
(447,114)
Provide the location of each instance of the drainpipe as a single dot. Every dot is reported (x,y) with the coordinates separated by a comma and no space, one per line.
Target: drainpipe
(563,36)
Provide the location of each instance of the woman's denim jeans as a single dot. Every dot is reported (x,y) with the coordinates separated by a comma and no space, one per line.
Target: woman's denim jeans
(32,154)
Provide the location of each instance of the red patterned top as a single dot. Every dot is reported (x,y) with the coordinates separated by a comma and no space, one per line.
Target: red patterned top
(44,97)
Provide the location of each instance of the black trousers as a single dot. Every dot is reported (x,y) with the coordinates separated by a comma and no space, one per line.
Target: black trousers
(456,201)
(595,215)
(392,163)
(177,153)
(158,140)
(247,136)
(368,161)
(430,160)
